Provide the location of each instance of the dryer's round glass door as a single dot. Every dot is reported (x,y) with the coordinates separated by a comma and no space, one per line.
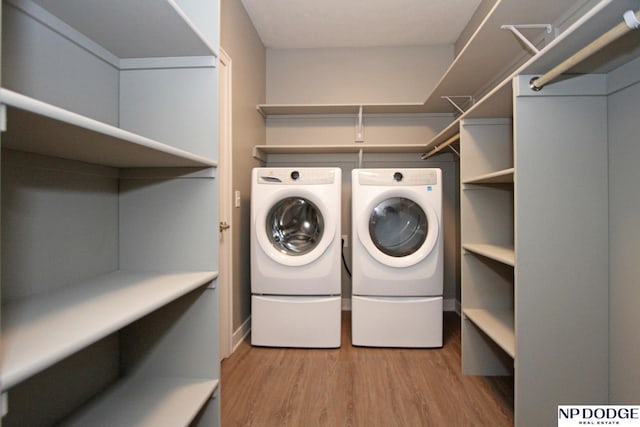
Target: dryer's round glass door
(295,226)
(398,226)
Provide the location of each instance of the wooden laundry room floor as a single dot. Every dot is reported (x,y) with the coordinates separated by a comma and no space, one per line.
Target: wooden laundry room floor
(356,386)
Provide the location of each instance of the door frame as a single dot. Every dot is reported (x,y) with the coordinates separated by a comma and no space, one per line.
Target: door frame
(225,278)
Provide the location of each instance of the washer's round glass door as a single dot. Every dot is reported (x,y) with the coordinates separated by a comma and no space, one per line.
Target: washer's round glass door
(294,226)
(398,226)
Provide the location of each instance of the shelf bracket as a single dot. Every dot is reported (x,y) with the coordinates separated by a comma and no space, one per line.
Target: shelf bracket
(359,127)
(454,150)
(259,155)
(3,117)
(451,101)
(515,29)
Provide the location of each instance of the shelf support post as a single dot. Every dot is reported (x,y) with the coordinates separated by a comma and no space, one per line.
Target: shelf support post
(359,127)
(515,29)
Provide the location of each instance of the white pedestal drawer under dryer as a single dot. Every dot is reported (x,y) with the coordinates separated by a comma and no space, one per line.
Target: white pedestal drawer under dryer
(397,257)
(295,257)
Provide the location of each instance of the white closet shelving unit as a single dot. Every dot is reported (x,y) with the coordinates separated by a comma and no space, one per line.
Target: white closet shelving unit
(534,172)
(488,257)
(109,217)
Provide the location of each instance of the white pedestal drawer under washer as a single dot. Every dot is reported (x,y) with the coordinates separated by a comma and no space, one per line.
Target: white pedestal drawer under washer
(295,257)
(397,257)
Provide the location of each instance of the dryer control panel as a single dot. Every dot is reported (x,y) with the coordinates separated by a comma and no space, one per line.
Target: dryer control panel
(301,176)
(393,177)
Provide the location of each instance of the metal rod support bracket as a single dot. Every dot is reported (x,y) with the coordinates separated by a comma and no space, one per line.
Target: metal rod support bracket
(515,29)
(451,101)
(631,20)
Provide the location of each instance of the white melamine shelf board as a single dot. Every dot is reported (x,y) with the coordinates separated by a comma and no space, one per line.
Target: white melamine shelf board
(499,101)
(41,330)
(497,324)
(259,151)
(132,29)
(300,109)
(499,177)
(42,128)
(487,53)
(500,253)
(146,402)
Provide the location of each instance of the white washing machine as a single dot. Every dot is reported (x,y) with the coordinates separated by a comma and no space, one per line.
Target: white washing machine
(397,257)
(295,257)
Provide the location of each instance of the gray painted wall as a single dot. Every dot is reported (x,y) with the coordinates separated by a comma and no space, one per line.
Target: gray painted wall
(240,41)
(355,75)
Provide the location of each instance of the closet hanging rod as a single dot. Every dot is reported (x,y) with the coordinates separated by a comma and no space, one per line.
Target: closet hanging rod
(631,22)
(437,148)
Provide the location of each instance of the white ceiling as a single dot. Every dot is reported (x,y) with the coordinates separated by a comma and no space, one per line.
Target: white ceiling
(358,23)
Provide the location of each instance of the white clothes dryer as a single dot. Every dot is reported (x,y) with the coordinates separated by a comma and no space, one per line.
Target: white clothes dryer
(295,257)
(397,257)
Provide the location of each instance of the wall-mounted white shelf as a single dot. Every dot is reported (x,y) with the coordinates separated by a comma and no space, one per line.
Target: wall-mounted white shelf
(500,253)
(146,28)
(301,109)
(498,324)
(487,57)
(165,402)
(260,152)
(42,128)
(41,330)
(499,177)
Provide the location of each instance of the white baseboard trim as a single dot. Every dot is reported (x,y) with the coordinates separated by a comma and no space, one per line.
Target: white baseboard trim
(448,304)
(240,334)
